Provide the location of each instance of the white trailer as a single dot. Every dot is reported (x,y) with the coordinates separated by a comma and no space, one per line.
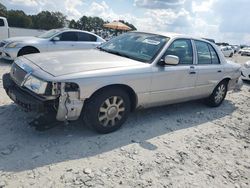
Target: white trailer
(7,32)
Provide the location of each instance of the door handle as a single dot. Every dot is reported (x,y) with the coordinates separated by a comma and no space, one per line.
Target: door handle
(192,70)
(219,71)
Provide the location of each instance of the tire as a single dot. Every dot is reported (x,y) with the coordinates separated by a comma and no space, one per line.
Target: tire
(27,50)
(231,55)
(107,110)
(218,95)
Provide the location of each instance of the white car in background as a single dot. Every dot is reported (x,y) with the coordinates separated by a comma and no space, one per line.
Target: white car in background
(245,51)
(52,40)
(245,72)
(227,51)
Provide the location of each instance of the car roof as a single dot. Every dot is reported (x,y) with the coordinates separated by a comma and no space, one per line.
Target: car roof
(77,30)
(174,35)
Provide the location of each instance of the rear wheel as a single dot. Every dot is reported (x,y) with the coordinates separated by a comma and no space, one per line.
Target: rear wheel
(218,95)
(27,50)
(106,111)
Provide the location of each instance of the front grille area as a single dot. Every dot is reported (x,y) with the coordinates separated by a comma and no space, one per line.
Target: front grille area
(17,74)
(2,44)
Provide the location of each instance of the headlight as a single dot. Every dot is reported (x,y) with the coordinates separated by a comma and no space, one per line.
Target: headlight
(247,65)
(35,84)
(12,45)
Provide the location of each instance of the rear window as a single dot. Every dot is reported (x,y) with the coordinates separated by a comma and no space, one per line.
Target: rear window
(86,37)
(1,23)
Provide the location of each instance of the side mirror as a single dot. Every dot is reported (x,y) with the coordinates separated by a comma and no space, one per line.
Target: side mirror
(54,39)
(171,60)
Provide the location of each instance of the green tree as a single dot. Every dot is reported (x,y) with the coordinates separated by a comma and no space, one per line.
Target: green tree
(18,18)
(73,24)
(3,10)
(48,20)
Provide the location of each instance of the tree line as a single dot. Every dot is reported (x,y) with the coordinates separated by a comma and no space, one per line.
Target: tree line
(51,20)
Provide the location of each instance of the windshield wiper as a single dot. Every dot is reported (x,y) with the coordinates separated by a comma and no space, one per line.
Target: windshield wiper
(121,54)
(118,53)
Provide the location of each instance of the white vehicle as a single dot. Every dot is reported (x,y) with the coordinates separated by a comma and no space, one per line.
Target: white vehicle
(227,51)
(245,72)
(53,40)
(133,70)
(245,51)
(7,32)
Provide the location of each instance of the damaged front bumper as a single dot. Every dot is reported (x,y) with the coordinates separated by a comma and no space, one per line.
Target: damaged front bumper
(67,105)
(24,98)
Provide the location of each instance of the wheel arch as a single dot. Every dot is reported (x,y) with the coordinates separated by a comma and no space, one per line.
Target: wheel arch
(131,93)
(28,47)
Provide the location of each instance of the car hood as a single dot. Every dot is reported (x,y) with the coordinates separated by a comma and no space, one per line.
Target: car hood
(22,39)
(70,62)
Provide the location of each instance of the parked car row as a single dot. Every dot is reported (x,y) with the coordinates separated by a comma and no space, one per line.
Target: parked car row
(103,85)
(230,50)
(227,51)
(53,40)
(245,51)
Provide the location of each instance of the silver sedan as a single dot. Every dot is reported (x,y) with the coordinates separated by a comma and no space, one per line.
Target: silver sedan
(134,70)
(53,40)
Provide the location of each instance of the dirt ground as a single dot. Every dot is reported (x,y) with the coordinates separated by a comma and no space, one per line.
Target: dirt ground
(182,145)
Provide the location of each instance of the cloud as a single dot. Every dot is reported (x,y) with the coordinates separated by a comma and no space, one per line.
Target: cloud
(204,6)
(29,3)
(234,17)
(222,20)
(158,4)
(71,7)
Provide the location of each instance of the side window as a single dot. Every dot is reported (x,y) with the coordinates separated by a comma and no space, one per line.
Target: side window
(1,23)
(86,37)
(181,48)
(68,36)
(204,56)
(214,55)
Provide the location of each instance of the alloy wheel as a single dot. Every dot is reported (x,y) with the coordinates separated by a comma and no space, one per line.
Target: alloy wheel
(220,93)
(111,111)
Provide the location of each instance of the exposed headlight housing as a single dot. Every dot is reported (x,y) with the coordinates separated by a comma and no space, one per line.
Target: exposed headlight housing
(12,45)
(247,65)
(35,84)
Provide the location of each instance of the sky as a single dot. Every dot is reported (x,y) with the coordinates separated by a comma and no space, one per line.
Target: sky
(222,20)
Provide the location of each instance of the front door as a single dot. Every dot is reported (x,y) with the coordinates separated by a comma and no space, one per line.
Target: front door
(67,41)
(173,83)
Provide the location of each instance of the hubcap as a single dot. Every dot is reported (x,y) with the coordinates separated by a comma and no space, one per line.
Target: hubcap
(220,93)
(111,111)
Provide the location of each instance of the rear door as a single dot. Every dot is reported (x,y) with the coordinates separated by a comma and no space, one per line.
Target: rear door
(86,41)
(209,68)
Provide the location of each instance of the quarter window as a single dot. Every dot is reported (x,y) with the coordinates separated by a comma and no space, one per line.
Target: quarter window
(206,53)
(181,48)
(214,56)
(86,37)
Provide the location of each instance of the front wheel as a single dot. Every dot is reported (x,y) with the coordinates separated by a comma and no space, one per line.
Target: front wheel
(218,95)
(107,110)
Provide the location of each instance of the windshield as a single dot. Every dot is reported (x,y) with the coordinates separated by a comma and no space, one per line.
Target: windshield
(138,46)
(49,33)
